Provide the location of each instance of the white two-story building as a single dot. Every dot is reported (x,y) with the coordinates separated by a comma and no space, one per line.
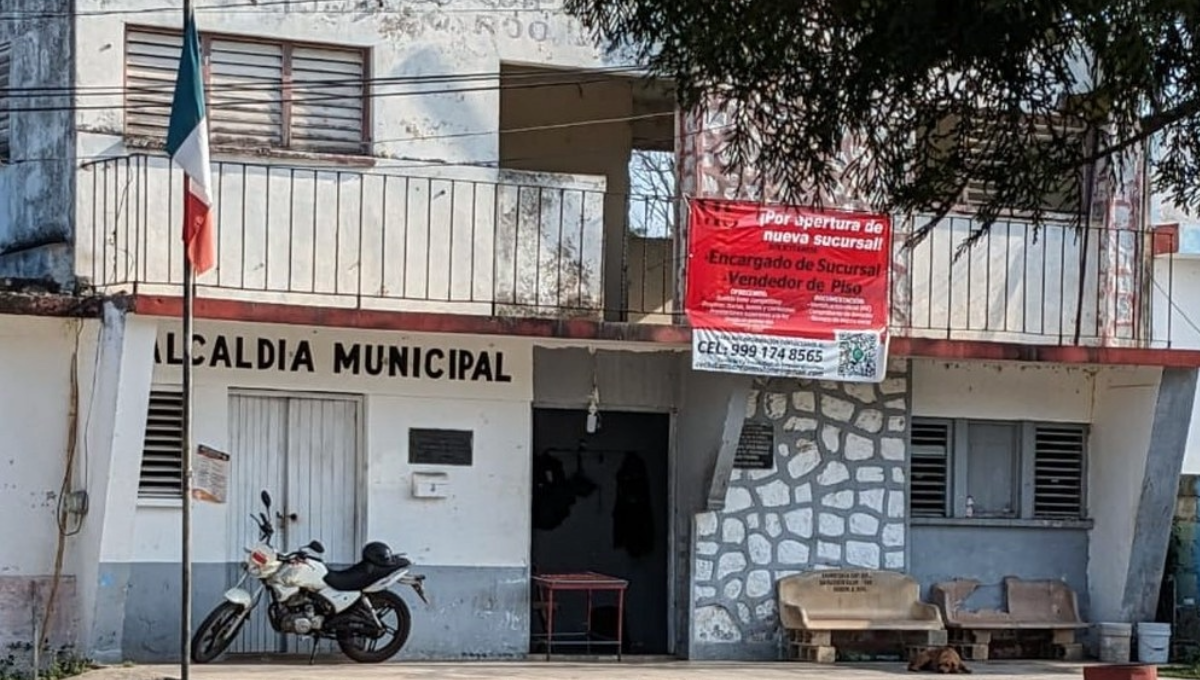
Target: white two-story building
(459,221)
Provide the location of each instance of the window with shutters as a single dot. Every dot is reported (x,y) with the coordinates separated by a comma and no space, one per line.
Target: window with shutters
(162,456)
(994,469)
(929,495)
(1064,199)
(5,100)
(260,93)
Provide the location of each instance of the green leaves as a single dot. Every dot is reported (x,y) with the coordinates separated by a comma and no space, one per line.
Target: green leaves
(1007,105)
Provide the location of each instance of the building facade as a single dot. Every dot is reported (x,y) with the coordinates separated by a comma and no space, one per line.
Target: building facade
(450,221)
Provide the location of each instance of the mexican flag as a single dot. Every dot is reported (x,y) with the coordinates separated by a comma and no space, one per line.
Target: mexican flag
(187,143)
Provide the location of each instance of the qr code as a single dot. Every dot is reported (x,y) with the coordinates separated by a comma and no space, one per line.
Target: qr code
(857,354)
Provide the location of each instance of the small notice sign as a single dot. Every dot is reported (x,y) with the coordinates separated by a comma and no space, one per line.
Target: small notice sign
(846,581)
(210,475)
(756,446)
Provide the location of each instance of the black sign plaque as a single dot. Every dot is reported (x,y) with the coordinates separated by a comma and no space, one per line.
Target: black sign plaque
(440,447)
(756,446)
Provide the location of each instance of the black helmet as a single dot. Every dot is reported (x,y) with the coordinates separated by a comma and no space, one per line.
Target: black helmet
(377,553)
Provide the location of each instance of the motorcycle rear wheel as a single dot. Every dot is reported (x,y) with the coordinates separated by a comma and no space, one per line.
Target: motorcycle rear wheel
(364,649)
(223,623)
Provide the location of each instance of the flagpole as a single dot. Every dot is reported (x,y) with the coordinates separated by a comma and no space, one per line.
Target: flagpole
(185,618)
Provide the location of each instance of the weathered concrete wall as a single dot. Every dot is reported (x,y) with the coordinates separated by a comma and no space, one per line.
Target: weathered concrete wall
(836,497)
(36,219)
(946,551)
(440,127)
(34,403)
(474,612)
(563,378)
(704,401)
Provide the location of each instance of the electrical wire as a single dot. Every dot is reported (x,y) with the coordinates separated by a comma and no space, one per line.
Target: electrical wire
(551,76)
(419,163)
(368,96)
(253,6)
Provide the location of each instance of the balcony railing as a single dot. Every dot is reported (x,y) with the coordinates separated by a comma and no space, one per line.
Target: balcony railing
(490,242)
(504,243)
(1021,282)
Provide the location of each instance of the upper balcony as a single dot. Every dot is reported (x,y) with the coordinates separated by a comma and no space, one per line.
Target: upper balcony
(521,243)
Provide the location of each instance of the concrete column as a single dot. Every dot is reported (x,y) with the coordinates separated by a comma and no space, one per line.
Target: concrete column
(114,393)
(1156,505)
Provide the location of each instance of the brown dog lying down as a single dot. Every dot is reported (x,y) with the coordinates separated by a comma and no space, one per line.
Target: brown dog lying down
(938,659)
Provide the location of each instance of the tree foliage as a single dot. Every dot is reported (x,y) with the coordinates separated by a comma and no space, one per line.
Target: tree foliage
(1049,90)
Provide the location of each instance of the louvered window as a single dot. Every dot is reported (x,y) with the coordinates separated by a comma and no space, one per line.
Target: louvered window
(1065,198)
(260,93)
(5,100)
(162,457)
(1058,471)
(997,470)
(930,472)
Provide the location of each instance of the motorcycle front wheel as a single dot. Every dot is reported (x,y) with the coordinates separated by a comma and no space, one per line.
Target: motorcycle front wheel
(397,623)
(217,631)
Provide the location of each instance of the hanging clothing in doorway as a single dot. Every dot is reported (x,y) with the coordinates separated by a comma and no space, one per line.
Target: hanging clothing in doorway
(633,519)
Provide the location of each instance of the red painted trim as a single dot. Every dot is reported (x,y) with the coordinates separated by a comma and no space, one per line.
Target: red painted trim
(417,322)
(1165,239)
(1058,354)
(578,329)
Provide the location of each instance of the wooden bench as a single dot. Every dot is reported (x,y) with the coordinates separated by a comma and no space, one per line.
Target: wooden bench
(812,606)
(1030,605)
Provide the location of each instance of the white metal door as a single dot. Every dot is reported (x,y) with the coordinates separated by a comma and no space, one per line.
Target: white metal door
(304,451)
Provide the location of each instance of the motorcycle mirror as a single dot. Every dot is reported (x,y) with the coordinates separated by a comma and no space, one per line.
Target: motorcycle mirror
(316,547)
(266,498)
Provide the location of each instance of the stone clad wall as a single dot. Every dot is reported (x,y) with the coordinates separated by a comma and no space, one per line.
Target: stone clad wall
(835,498)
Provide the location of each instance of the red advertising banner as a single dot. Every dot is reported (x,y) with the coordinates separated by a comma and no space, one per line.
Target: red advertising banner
(788,291)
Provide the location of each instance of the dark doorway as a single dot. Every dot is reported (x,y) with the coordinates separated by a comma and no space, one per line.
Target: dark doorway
(600,504)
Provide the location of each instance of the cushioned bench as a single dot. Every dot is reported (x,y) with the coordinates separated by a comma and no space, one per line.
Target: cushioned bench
(1029,605)
(814,605)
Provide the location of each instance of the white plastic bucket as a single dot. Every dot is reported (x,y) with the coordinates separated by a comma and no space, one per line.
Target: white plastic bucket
(1114,642)
(1154,642)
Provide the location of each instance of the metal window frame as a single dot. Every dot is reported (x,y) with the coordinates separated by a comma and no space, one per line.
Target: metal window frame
(1026,479)
(948,499)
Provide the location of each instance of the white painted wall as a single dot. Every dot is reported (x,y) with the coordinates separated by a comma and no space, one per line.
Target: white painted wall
(1123,414)
(485,518)
(1002,390)
(34,398)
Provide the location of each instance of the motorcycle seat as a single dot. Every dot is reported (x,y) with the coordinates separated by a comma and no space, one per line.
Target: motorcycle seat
(363,574)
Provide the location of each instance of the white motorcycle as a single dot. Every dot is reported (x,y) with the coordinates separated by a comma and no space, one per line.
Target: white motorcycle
(352,606)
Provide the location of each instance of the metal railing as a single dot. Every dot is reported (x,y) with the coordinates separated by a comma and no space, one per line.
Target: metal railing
(484,242)
(1038,284)
(503,243)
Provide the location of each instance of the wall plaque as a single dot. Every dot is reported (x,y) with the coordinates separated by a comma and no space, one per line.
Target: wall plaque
(440,447)
(756,446)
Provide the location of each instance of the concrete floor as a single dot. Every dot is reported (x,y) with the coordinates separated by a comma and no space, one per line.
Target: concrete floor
(555,670)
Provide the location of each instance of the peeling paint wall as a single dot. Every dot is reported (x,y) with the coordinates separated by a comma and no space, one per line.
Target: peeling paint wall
(37,181)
